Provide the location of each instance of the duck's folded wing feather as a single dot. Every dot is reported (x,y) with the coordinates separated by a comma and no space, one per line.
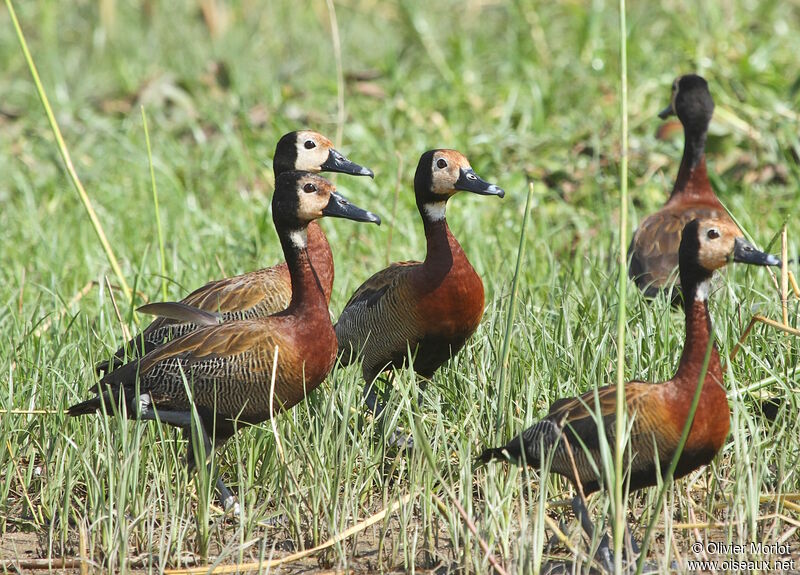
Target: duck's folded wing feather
(371,291)
(577,419)
(221,343)
(269,288)
(242,291)
(373,312)
(181,312)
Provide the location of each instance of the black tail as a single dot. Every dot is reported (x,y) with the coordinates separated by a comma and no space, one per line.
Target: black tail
(86,407)
(492,454)
(770,407)
(135,348)
(104,367)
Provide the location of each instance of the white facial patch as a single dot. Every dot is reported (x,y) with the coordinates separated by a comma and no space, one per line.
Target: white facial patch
(309,160)
(299,239)
(701,293)
(434,210)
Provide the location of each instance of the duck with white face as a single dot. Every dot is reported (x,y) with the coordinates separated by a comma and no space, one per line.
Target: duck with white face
(261,292)
(450,173)
(429,308)
(710,245)
(310,151)
(243,370)
(658,412)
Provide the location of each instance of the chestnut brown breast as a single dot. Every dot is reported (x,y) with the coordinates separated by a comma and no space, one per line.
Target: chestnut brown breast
(450,310)
(431,308)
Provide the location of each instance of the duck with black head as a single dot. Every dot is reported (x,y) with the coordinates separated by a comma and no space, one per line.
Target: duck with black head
(229,365)
(431,307)
(268,290)
(653,251)
(657,412)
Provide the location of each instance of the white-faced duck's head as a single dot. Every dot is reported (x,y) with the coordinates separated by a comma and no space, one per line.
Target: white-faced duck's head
(709,244)
(690,101)
(310,151)
(301,197)
(443,173)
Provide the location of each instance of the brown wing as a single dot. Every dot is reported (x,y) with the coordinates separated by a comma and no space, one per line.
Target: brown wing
(653,251)
(246,296)
(376,319)
(576,419)
(243,291)
(223,341)
(181,312)
(371,291)
(227,368)
(211,342)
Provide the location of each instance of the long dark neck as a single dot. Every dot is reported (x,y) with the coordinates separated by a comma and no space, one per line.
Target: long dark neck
(440,251)
(319,250)
(307,292)
(698,334)
(692,176)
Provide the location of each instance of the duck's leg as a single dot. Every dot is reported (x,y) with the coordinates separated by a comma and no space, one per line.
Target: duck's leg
(184,420)
(371,399)
(225,496)
(402,439)
(370,394)
(582,514)
(604,552)
(422,385)
(555,540)
(631,542)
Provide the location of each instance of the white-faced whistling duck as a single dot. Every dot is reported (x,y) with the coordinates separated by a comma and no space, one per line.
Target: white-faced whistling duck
(265,291)
(429,307)
(229,365)
(653,251)
(658,411)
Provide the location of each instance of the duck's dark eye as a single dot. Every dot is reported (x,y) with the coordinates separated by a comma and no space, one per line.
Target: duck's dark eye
(712,234)
(309,188)
(309,144)
(441,163)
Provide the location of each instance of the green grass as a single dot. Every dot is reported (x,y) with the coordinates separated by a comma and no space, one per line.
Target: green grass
(527,91)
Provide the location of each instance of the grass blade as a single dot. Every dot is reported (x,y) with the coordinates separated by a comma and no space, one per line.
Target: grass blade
(501,424)
(337,54)
(62,148)
(155,206)
(619,435)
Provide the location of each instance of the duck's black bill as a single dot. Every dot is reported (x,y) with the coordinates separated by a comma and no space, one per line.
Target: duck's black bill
(667,112)
(469,181)
(336,162)
(339,207)
(744,252)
